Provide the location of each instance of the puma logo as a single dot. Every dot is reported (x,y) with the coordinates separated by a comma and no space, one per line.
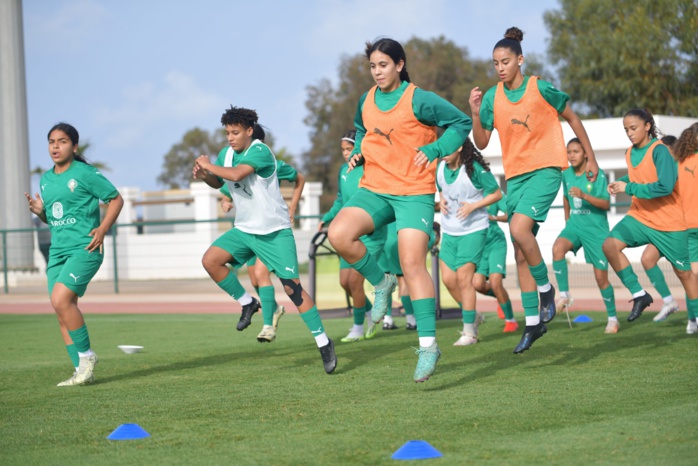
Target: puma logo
(344,177)
(557,272)
(76,278)
(534,210)
(243,187)
(680,263)
(514,121)
(319,330)
(608,300)
(499,266)
(381,133)
(690,170)
(291,269)
(425,223)
(453,199)
(603,263)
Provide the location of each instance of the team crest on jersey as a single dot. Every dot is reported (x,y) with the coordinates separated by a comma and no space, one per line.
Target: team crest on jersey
(577,203)
(589,187)
(57,210)
(72,184)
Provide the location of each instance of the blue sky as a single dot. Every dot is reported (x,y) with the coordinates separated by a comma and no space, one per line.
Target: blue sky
(134,75)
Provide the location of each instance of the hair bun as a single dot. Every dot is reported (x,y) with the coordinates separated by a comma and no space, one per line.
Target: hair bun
(514,33)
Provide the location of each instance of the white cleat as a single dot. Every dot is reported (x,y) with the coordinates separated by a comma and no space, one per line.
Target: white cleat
(692,328)
(668,308)
(267,335)
(465,339)
(84,374)
(278,314)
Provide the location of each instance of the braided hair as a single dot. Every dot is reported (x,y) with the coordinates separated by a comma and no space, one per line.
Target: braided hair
(469,155)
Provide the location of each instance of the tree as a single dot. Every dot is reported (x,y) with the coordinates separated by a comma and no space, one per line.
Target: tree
(178,162)
(643,53)
(438,65)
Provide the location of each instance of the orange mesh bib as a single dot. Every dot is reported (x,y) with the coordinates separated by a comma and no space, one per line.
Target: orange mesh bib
(529,131)
(389,148)
(661,213)
(688,190)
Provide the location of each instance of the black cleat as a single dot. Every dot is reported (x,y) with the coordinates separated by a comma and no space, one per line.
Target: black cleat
(246,316)
(387,326)
(639,305)
(547,305)
(409,326)
(531,334)
(329,359)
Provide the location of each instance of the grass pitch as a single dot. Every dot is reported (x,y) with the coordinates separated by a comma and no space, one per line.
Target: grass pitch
(208,394)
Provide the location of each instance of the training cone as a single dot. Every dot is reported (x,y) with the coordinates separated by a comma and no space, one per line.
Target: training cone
(128,432)
(582,319)
(416,450)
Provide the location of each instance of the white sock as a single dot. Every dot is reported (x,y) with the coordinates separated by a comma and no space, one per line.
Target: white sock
(668,299)
(86,354)
(410,319)
(358,328)
(388,320)
(532,320)
(564,294)
(639,293)
(322,340)
(511,320)
(245,299)
(545,288)
(469,329)
(425,342)
(613,319)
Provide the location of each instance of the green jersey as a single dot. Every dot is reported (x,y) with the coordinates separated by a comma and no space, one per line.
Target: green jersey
(667,172)
(71,202)
(583,215)
(555,97)
(495,231)
(284,172)
(348,185)
(430,110)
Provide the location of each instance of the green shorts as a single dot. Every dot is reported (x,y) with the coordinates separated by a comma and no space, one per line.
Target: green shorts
(532,194)
(406,211)
(374,244)
(671,244)
(389,259)
(73,270)
(456,251)
(692,244)
(276,250)
(494,255)
(591,241)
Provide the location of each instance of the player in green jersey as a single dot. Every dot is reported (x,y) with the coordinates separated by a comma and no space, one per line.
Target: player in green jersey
(586,204)
(69,204)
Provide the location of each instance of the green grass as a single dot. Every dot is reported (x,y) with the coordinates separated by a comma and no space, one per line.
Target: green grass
(208,394)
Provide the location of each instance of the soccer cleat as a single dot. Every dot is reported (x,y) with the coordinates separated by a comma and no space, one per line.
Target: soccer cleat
(612,327)
(267,335)
(389,326)
(466,339)
(383,297)
(562,302)
(278,314)
(85,371)
(329,359)
(370,331)
(510,327)
(246,316)
(426,364)
(668,308)
(500,312)
(692,327)
(547,305)
(409,326)
(531,334)
(353,336)
(70,381)
(639,305)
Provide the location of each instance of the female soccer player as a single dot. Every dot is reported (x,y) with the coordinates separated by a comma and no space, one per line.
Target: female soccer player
(525,112)
(586,205)
(71,190)
(396,140)
(656,214)
(351,280)
(262,225)
(467,187)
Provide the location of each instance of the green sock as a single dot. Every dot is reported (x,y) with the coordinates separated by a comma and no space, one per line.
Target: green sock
(692,307)
(73,354)
(256,289)
(508,311)
(231,285)
(368,267)
(407,305)
(629,279)
(313,321)
(267,297)
(658,282)
(529,301)
(609,300)
(81,339)
(425,315)
(560,271)
(359,315)
(490,293)
(369,305)
(468,317)
(540,273)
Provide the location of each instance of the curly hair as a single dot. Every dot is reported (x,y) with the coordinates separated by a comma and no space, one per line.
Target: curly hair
(239,116)
(468,155)
(687,144)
